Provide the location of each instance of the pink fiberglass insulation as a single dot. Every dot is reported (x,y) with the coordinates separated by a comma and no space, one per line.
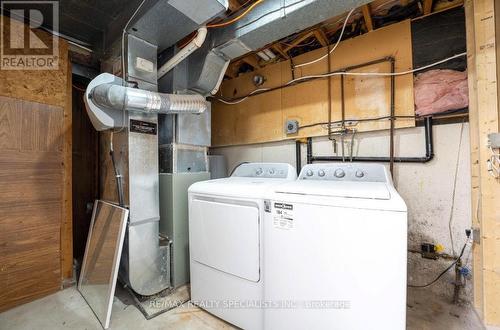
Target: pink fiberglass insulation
(439,91)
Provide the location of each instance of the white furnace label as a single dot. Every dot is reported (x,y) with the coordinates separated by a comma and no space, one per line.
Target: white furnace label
(283,216)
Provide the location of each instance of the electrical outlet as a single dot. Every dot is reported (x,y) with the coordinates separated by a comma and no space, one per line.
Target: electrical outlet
(291,127)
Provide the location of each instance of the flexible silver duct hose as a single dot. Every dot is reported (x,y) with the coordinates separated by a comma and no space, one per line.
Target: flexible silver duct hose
(132,99)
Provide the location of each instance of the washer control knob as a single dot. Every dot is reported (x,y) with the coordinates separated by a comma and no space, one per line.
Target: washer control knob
(271,171)
(259,171)
(339,173)
(309,173)
(321,173)
(360,174)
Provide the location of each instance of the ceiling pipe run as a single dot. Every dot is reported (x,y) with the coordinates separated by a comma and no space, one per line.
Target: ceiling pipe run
(193,45)
(429,152)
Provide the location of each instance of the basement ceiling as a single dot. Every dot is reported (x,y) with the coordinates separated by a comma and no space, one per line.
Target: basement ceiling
(92,23)
(88,21)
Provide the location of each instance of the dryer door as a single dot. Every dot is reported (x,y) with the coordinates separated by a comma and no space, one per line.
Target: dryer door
(225,236)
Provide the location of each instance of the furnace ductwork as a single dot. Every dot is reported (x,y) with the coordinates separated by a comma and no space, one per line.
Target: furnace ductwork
(133,99)
(268,22)
(107,99)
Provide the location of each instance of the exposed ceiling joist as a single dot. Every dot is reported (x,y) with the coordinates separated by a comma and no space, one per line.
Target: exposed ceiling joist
(234,5)
(297,41)
(252,61)
(232,70)
(427,6)
(320,35)
(367,16)
(279,49)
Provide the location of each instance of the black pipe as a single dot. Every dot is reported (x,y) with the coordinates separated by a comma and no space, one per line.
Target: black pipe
(309,150)
(393,111)
(298,157)
(429,151)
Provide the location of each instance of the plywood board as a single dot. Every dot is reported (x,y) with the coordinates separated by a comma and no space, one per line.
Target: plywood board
(308,102)
(42,86)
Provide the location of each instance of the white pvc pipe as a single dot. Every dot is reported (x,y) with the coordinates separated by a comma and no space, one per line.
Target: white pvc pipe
(193,45)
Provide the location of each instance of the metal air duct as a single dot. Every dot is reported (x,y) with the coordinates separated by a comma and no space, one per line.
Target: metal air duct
(268,22)
(106,100)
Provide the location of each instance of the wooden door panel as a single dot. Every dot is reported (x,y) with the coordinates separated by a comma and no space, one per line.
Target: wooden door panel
(31,169)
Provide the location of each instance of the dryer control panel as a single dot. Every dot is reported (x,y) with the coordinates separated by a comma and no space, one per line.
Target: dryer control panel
(265,170)
(360,172)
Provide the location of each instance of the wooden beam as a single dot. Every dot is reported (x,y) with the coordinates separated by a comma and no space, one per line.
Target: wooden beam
(300,38)
(232,70)
(483,35)
(320,35)
(279,49)
(477,265)
(427,6)
(234,5)
(252,61)
(67,195)
(404,2)
(368,17)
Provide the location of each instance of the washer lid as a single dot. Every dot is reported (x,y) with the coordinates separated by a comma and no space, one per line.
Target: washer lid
(366,190)
(236,187)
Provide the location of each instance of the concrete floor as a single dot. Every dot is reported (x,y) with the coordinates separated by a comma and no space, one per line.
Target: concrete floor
(67,310)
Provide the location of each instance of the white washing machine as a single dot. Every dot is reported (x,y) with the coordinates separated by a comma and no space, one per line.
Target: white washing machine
(335,250)
(225,241)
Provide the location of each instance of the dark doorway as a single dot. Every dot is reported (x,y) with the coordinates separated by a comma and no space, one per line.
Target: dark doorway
(85,168)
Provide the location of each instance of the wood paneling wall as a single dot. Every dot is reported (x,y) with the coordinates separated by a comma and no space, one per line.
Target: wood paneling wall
(31,176)
(35,181)
(261,118)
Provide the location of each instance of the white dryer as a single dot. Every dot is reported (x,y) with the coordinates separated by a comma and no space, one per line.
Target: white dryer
(225,241)
(335,250)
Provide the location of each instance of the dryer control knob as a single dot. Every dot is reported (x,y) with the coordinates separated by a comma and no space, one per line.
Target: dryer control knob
(259,171)
(272,171)
(309,173)
(321,173)
(360,174)
(339,173)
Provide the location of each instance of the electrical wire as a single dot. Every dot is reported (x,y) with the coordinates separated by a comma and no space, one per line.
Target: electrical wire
(380,74)
(246,97)
(124,32)
(357,120)
(312,42)
(80,89)
(124,76)
(334,47)
(339,73)
(284,7)
(237,18)
(118,177)
(234,168)
(452,207)
(443,272)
